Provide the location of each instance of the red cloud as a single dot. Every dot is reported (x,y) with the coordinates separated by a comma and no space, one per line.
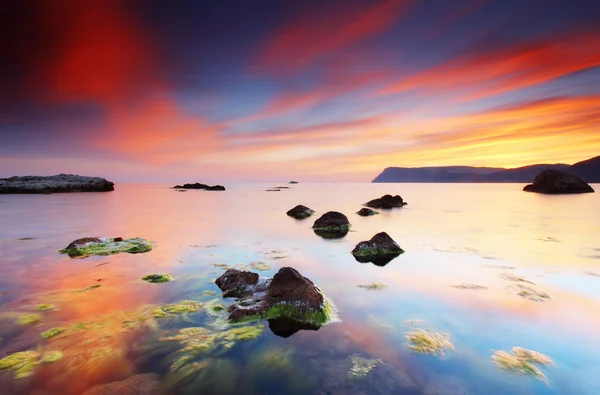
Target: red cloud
(98,53)
(508,69)
(312,36)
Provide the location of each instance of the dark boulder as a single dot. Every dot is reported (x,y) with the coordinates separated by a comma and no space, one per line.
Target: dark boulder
(300,212)
(365,212)
(289,295)
(200,186)
(386,202)
(556,182)
(380,245)
(236,283)
(332,221)
(79,242)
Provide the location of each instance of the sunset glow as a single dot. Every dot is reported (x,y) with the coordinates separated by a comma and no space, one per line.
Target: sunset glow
(319,91)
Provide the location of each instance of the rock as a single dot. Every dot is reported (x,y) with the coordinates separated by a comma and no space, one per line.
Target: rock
(158,278)
(215,188)
(55,184)
(386,202)
(365,212)
(293,182)
(289,295)
(118,239)
(200,186)
(300,212)
(332,221)
(380,249)
(105,246)
(236,283)
(141,384)
(557,182)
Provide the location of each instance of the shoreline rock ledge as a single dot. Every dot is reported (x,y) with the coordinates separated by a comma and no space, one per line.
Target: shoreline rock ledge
(200,186)
(60,183)
(288,295)
(556,182)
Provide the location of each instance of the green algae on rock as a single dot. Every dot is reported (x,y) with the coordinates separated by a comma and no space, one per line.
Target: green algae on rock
(185,306)
(332,221)
(157,278)
(24,363)
(522,362)
(361,366)
(105,246)
(52,332)
(380,244)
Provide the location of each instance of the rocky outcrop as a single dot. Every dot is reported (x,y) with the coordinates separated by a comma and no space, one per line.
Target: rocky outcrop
(55,184)
(105,246)
(556,182)
(386,202)
(288,295)
(379,250)
(300,212)
(200,186)
(366,212)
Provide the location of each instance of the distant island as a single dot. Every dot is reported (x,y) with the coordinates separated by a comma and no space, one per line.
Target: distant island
(588,170)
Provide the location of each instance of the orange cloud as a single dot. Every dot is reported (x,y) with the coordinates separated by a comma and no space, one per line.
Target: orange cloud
(312,36)
(515,67)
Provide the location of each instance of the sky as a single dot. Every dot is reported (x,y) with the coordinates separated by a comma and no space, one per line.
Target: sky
(310,90)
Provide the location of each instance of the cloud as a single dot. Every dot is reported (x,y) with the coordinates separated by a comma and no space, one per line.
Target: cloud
(312,36)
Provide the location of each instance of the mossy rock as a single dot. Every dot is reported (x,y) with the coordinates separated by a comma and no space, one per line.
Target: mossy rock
(158,278)
(106,246)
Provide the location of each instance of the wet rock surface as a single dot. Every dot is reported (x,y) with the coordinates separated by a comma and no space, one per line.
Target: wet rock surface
(556,182)
(386,202)
(105,246)
(55,184)
(287,295)
(381,249)
(300,212)
(332,221)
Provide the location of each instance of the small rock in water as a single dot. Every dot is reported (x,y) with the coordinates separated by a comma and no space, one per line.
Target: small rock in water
(386,202)
(87,246)
(300,212)
(556,182)
(158,278)
(380,250)
(366,212)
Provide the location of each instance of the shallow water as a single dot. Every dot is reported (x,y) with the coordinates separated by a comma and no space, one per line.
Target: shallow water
(453,234)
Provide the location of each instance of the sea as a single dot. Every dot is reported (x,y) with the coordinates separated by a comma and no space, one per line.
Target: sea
(488,269)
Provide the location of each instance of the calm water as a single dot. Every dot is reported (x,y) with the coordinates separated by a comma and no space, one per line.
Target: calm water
(452,234)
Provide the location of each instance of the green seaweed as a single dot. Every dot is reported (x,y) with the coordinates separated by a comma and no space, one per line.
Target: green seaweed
(428,342)
(109,247)
(370,249)
(28,318)
(45,307)
(157,278)
(522,362)
(261,266)
(333,228)
(285,310)
(185,306)
(24,363)
(89,288)
(242,333)
(361,366)
(52,332)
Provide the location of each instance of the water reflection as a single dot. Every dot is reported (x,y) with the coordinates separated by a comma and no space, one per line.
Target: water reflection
(377,260)
(330,234)
(284,327)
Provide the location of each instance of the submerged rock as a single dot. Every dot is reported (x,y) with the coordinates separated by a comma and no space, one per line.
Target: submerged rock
(157,278)
(55,184)
(380,246)
(300,212)
(556,182)
(386,202)
(141,384)
(200,186)
(288,295)
(366,212)
(105,246)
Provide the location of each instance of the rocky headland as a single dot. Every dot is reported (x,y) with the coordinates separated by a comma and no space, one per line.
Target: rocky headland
(59,183)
